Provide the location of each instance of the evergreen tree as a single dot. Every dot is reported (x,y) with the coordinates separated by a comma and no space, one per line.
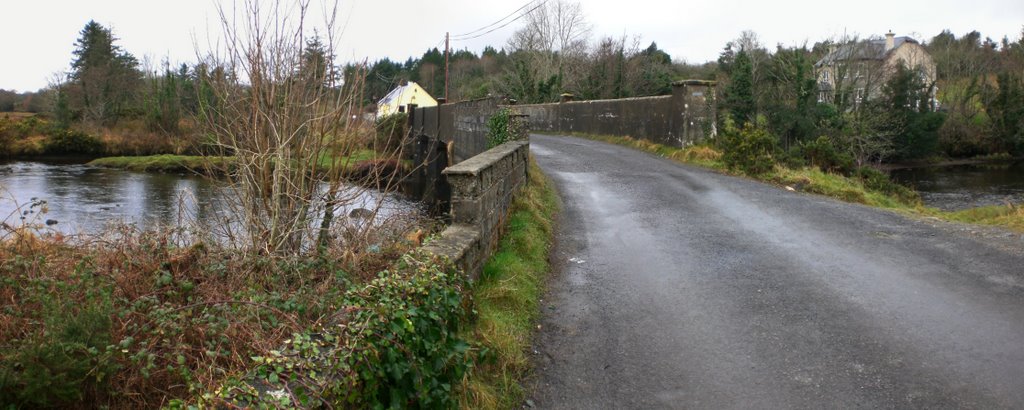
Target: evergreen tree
(316,67)
(104,79)
(907,99)
(739,96)
(1007,113)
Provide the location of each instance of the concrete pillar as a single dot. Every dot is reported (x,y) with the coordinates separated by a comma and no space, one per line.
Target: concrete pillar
(695,108)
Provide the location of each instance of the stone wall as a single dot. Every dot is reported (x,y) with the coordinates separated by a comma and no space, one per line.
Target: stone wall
(683,118)
(482,190)
(464,123)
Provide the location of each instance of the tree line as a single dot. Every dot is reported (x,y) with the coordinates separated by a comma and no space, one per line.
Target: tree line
(978,109)
(980,86)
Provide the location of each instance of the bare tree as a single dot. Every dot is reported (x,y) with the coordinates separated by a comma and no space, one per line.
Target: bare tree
(548,47)
(283,121)
(556,26)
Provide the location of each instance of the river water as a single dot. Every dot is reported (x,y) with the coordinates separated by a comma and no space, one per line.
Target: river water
(960,187)
(79,198)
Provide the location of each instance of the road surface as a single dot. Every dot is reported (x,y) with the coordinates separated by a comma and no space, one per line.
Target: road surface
(677,287)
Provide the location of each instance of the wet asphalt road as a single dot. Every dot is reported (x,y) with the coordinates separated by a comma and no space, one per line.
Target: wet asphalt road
(677,287)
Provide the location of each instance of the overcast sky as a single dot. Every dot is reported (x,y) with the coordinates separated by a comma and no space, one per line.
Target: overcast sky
(37,37)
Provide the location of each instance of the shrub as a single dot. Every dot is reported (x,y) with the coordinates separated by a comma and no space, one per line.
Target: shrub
(751,149)
(824,154)
(391,132)
(396,346)
(879,181)
(960,137)
(70,361)
(72,142)
(130,320)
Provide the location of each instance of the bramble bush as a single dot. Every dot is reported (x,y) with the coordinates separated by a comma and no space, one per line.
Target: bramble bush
(134,321)
(395,345)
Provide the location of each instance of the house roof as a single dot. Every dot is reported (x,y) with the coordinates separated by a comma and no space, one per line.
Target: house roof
(863,50)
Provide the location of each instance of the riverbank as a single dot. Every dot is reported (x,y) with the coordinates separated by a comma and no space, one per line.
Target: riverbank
(948,162)
(134,319)
(867,187)
(165,163)
(212,164)
(33,136)
(140,319)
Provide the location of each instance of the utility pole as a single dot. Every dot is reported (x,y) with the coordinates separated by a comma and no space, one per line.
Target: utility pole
(447,49)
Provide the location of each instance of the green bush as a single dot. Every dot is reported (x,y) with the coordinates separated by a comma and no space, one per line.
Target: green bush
(752,149)
(879,181)
(71,361)
(824,154)
(72,142)
(396,346)
(961,137)
(391,131)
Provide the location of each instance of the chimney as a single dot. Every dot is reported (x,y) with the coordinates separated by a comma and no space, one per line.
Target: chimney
(890,41)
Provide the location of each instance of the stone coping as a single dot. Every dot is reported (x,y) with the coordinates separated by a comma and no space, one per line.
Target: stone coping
(478,163)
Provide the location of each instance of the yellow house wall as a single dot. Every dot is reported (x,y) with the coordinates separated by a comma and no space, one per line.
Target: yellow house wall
(414,94)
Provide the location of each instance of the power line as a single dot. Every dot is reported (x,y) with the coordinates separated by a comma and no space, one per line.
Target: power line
(470,36)
(496,22)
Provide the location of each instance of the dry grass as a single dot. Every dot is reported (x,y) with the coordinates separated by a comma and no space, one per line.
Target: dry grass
(16,115)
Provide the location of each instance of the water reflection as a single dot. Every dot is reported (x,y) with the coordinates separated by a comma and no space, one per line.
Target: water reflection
(85,199)
(966,186)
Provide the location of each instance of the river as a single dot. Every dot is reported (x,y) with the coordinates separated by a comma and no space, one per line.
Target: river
(958,187)
(84,199)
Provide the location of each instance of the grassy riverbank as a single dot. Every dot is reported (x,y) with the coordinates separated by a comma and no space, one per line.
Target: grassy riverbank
(135,319)
(1009,216)
(507,299)
(204,164)
(163,163)
(866,186)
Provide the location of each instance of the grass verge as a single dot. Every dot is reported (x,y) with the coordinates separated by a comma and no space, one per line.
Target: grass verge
(1010,216)
(507,298)
(868,188)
